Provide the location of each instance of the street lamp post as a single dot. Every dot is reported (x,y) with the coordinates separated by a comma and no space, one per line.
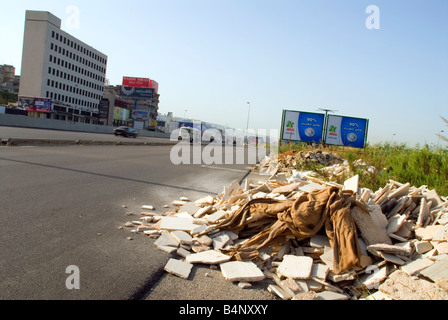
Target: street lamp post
(247,127)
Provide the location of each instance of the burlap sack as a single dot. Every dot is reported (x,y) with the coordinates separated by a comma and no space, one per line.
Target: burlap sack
(302,219)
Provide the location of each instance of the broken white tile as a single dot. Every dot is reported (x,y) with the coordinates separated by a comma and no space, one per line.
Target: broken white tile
(392,258)
(441,234)
(352,184)
(207,257)
(204,240)
(370,231)
(199,229)
(400,191)
(427,233)
(183,214)
(319,241)
(275,289)
(182,237)
(416,265)
(442,247)
(167,249)
(220,241)
(152,232)
(296,267)
(166,239)
(241,271)
(378,216)
(330,295)
(433,196)
(373,277)
(206,201)
(395,223)
(147,207)
(320,271)
(231,190)
(178,203)
(438,270)
(175,224)
(201,212)
(178,268)
(215,217)
(183,252)
(189,208)
(310,187)
(341,277)
(424,213)
(423,246)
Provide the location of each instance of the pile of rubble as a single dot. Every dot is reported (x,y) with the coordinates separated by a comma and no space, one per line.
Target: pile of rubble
(335,166)
(312,239)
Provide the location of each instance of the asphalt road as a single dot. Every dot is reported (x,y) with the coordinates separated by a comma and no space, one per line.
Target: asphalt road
(63,206)
(31,133)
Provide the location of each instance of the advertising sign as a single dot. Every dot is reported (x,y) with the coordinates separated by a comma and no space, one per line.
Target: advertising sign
(346,131)
(136,82)
(104,108)
(140,115)
(302,126)
(154,85)
(137,93)
(42,105)
(121,114)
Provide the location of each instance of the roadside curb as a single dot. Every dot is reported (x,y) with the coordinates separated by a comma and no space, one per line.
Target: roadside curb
(15,142)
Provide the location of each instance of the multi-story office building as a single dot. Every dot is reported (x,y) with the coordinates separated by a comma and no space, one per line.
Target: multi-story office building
(61,68)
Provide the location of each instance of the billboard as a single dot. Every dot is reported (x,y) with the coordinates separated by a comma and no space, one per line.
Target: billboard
(140,115)
(121,114)
(35,104)
(42,105)
(302,126)
(346,131)
(136,82)
(136,93)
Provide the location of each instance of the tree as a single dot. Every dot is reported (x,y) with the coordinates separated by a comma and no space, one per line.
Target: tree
(6,97)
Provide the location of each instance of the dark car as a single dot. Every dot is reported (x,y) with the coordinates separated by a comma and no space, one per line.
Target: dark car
(126,132)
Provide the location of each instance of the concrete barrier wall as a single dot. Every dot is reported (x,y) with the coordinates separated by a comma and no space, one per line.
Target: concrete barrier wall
(10,120)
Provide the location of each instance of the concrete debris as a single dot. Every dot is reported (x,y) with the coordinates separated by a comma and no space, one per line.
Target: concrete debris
(389,244)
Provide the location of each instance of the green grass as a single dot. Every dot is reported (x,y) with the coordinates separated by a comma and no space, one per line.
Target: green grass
(418,166)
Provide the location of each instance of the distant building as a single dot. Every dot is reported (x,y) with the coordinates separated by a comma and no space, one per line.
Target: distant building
(8,80)
(58,67)
(132,106)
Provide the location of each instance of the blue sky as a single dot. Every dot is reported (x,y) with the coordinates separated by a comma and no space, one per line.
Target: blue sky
(212,57)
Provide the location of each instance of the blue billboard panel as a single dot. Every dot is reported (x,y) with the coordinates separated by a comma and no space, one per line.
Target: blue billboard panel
(346,131)
(302,126)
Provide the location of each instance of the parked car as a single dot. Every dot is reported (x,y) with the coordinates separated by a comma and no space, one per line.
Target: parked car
(126,132)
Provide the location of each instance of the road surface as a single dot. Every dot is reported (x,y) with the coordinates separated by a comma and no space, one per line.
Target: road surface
(63,206)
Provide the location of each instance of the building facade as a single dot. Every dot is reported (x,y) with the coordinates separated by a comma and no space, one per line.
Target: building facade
(138,112)
(8,80)
(59,68)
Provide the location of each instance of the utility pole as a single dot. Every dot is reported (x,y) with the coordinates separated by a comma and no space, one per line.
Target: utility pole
(326,122)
